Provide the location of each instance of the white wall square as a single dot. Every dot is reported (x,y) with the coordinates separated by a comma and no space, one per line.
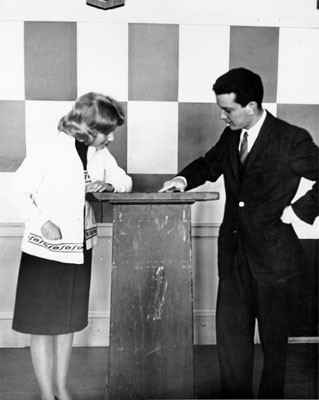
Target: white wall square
(271,107)
(210,212)
(152,137)
(298,66)
(203,57)
(304,230)
(12,61)
(7,212)
(42,118)
(103,59)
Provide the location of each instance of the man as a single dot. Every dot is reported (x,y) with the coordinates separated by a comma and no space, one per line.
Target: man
(262,159)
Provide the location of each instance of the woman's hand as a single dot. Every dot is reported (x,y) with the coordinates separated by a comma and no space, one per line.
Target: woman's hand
(99,186)
(50,231)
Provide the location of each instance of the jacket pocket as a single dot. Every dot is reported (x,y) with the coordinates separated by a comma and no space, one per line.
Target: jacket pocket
(277,230)
(282,248)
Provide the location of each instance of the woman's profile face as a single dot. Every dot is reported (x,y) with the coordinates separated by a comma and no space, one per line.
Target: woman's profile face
(101,140)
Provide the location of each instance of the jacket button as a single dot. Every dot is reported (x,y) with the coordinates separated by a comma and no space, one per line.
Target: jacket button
(241,204)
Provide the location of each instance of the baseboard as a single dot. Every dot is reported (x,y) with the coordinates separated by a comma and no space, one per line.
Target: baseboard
(96,334)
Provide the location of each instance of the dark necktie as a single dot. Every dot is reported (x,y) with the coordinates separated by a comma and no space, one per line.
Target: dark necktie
(243,150)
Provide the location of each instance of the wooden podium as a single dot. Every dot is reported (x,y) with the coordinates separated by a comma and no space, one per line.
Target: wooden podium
(151,329)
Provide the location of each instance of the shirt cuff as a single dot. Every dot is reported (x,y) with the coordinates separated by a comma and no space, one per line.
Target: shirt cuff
(182,178)
(290,216)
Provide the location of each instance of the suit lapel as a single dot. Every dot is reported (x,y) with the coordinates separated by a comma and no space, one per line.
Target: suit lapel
(234,153)
(262,139)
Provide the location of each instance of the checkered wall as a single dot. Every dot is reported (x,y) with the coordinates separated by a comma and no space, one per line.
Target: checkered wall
(161,73)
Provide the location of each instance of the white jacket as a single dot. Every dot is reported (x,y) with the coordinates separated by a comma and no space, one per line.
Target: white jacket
(50,185)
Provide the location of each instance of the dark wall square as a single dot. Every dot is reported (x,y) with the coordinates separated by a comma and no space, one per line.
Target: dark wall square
(142,183)
(256,48)
(153,62)
(50,60)
(149,183)
(12,134)
(303,115)
(199,128)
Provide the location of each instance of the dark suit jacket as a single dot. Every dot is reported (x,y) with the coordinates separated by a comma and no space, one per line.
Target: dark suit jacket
(255,200)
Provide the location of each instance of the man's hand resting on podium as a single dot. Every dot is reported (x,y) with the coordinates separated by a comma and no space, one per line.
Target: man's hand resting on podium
(177,184)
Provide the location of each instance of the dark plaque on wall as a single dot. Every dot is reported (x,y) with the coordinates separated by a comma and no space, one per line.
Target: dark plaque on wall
(105,4)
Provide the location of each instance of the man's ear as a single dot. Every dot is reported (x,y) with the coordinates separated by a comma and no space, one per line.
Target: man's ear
(252,107)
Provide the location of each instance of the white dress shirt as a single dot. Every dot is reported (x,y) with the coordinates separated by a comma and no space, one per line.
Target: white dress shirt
(252,132)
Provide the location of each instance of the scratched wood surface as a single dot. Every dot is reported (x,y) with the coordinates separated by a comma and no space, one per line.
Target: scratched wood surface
(164,198)
(151,334)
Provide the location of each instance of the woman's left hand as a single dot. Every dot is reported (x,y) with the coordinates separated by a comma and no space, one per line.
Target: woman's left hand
(99,186)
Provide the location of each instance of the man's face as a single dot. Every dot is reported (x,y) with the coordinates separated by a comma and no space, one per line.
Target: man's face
(234,115)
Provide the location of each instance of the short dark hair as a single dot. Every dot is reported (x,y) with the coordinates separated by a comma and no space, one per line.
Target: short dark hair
(92,113)
(246,85)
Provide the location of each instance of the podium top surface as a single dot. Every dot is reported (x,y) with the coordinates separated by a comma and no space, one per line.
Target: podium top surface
(165,198)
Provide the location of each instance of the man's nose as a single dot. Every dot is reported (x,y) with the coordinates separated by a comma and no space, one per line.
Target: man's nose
(222,115)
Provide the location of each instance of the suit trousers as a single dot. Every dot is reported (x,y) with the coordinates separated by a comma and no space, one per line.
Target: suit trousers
(240,301)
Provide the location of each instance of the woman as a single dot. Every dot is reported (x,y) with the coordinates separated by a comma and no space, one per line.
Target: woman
(49,193)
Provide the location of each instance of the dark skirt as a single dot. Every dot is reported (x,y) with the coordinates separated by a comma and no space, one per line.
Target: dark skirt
(52,298)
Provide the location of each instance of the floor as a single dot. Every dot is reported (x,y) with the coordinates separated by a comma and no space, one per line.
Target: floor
(88,372)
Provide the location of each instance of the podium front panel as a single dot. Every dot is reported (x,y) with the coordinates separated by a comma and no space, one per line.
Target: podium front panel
(151,332)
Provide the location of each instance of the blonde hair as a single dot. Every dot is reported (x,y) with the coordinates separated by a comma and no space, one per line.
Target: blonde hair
(91,114)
